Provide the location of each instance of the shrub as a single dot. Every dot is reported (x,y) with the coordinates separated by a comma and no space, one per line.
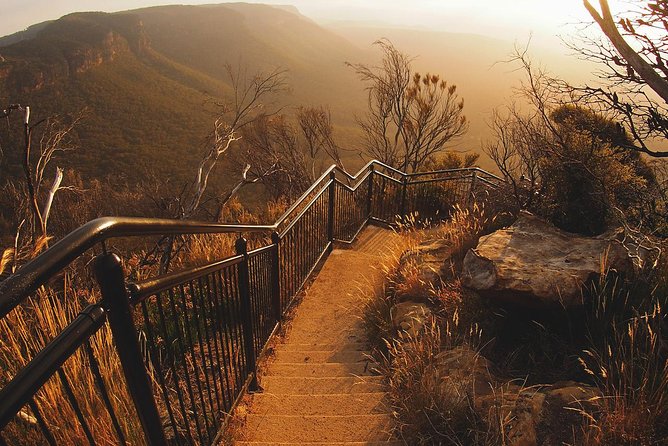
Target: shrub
(628,361)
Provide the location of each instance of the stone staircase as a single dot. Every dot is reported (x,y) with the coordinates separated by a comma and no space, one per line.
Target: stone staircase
(321,387)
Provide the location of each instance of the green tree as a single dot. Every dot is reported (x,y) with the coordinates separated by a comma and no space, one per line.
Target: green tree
(568,162)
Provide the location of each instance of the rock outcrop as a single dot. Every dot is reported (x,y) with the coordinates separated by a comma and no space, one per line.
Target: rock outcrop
(534,263)
(536,415)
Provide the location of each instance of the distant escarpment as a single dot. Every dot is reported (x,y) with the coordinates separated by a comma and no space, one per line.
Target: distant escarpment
(69,46)
(145,79)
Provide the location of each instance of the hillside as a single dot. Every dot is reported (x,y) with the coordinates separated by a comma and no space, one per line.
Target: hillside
(149,78)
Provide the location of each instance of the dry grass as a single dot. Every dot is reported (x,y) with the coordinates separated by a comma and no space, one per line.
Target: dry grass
(621,337)
(377,315)
(465,227)
(628,362)
(430,409)
(25,331)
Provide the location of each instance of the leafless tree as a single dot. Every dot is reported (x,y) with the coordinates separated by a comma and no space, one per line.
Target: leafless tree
(36,195)
(318,133)
(246,106)
(634,79)
(516,150)
(287,157)
(411,117)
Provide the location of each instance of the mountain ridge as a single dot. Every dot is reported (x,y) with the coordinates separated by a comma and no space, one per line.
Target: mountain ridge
(151,77)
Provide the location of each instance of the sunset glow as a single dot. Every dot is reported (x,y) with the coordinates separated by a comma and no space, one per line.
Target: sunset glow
(515,19)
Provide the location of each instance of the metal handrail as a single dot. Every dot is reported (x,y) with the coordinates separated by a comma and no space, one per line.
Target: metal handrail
(256,280)
(29,277)
(15,394)
(464,169)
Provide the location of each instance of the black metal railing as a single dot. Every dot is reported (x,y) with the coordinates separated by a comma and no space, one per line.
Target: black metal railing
(188,341)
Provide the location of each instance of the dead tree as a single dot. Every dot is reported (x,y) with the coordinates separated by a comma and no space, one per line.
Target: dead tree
(633,85)
(55,139)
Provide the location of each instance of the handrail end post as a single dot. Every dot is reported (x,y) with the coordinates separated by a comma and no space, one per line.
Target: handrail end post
(404,186)
(474,177)
(276,278)
(111,279)
(369,211)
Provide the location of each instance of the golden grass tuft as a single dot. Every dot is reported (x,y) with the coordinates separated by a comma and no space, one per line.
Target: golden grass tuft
(427,411)
(628,362)
(431,408)
(25,331)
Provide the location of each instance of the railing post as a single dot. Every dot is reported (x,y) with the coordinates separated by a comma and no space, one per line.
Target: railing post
(109,274)
(402,209)
(370,192)
(332,208)
(474,177)
(246,314)
(276,278)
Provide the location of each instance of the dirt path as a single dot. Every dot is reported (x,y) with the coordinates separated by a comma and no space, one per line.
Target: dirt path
(320,388)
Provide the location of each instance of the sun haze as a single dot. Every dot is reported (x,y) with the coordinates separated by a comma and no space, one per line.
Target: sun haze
(515,19)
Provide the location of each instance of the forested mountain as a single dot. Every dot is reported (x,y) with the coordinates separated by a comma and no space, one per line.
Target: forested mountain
(149,79)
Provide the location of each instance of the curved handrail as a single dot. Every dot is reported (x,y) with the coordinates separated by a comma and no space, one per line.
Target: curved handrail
(30,276)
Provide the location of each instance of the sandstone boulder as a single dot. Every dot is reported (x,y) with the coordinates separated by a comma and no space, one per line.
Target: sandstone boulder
(531,416)
(548,415)
(534,263)
(462,365)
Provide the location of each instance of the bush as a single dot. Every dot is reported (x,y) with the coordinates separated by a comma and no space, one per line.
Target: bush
(628,360)
(587,174)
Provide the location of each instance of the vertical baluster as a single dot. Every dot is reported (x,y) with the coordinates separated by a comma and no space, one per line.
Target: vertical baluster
(48,435)
(224,353)
(75,406)
(155,360)
(230,330)
(209,350)
(213,329)
(471,197)
(102,388)
(203,346)
(404,187)
(244,296)
(332,198)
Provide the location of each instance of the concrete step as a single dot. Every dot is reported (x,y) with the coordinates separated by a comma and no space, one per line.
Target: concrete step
(328,404)
(322,370)
(330,337)
(322,347)
(334,324)
(320,443)
(281,385)
(297,428)
(318,357)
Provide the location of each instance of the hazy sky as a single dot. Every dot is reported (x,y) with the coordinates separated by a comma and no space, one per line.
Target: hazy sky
(508,19)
